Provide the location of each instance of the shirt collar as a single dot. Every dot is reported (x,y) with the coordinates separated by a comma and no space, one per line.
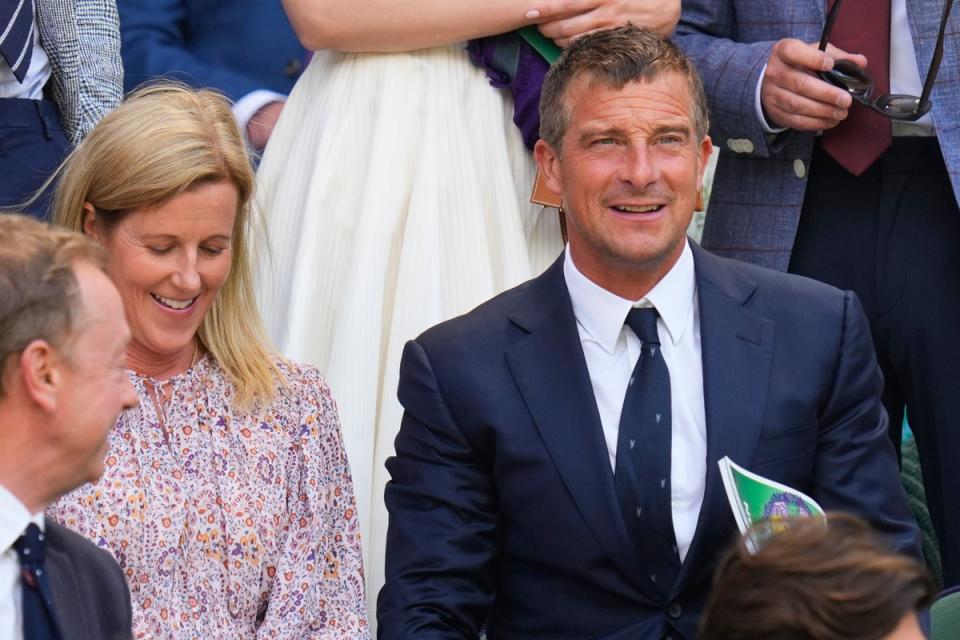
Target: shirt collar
(14,518)
(602,313)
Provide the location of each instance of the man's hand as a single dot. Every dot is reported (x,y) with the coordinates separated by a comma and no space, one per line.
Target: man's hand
(262,123)
(791,93)
(564,20)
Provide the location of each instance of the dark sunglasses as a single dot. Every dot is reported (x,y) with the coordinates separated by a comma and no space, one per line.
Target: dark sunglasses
(858,83)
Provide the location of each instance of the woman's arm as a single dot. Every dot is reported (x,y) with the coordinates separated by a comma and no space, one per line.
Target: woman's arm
(317,591)
(395,25)
(391,25)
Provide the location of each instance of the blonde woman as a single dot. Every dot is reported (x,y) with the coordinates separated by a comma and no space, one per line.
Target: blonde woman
(396,188)
(227,497)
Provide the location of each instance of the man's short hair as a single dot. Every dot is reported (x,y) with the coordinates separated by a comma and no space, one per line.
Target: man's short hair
(39,293)
(614,57)
(817,580)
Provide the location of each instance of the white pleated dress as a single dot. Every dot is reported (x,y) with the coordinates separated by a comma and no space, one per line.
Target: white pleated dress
(395,191)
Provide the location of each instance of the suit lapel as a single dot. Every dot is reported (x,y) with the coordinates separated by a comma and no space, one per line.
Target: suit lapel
(66,592)
(737,352)
(551,373)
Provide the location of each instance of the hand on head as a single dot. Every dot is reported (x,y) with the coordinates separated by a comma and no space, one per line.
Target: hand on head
(564,20)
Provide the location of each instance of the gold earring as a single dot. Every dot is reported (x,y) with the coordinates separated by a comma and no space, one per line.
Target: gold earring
(698,205)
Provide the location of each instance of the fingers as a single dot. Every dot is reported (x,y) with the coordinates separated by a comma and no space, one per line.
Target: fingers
(793,96)
(550,10)
(564,30)
(788,109)
(839,54)
(797,53)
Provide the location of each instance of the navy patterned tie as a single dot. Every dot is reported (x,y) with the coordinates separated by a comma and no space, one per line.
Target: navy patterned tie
(16,35)
(643,456)
(38,619)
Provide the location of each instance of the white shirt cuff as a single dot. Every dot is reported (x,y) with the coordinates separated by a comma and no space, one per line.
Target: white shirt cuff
(248,105)
(759,108)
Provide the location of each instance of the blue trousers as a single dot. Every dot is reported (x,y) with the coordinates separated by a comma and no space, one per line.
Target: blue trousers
(33,143)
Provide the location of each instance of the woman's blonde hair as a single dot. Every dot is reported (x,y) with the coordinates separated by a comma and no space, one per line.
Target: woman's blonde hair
(166,139)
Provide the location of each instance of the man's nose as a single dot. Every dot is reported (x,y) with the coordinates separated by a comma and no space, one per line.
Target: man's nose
(639,167)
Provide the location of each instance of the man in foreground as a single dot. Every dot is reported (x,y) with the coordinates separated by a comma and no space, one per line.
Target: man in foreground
(556,471)
(63,382)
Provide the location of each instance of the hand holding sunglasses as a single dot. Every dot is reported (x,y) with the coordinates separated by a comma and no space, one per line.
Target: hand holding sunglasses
(857,82)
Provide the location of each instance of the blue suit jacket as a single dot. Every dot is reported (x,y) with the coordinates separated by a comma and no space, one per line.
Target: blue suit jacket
(759,185)
(235,46)
(502,502)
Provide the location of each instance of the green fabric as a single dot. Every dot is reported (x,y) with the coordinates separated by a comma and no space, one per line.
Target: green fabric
(912,479)
(945,618)
(541,44)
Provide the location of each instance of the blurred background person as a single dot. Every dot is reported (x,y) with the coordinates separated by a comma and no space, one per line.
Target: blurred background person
(818,580)
(227,496)
(244,48)
(813,182)
(60,72)
(396,190)
(63,342)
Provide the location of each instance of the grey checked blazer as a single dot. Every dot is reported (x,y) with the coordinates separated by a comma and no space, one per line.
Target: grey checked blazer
(759,186)
(82,40)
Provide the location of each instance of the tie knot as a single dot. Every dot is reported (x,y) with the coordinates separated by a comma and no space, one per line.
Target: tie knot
(30,546)
(644,324)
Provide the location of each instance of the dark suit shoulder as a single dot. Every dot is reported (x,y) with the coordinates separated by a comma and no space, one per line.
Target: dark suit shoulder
(90,591)
(81,550)
(481,323)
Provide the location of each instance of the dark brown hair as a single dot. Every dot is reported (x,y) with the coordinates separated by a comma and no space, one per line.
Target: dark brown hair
(614,57)
(815,581)
(39,292)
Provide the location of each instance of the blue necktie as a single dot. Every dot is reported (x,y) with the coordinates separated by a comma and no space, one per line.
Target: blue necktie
(643,456)
(39,622)
(16,35)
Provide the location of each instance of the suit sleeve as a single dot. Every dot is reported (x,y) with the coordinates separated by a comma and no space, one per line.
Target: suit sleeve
(856,465)
(443,518)
(101,67)
(155,43)
(730,71)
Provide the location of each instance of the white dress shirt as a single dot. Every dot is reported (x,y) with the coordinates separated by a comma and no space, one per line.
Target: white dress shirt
(612,349)
(38,73)
(14,518)
(904,74)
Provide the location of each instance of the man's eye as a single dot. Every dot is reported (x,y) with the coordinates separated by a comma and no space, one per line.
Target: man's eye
(604,141)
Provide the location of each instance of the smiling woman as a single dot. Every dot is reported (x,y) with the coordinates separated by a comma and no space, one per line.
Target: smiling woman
(226,496)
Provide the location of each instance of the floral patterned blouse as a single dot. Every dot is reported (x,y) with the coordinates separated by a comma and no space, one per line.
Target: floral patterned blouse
(229,524)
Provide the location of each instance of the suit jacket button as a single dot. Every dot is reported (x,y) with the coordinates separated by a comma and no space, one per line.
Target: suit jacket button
(799,169)
(292,67)
(674,610)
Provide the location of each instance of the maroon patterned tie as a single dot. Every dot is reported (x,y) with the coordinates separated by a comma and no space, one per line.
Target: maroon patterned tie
(862,26)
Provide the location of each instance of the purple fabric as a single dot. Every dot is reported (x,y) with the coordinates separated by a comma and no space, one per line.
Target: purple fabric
(525,79)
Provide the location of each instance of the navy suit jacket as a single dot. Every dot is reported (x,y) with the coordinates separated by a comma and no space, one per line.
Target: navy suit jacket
(502,503)
(90,594)
(236,46)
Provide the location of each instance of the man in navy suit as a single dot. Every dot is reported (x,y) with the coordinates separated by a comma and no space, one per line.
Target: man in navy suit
(539,428)
(247,50)
(63,382)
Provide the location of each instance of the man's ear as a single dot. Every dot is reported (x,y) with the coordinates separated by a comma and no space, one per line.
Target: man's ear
(90,226)
(41,373)
(549,162)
